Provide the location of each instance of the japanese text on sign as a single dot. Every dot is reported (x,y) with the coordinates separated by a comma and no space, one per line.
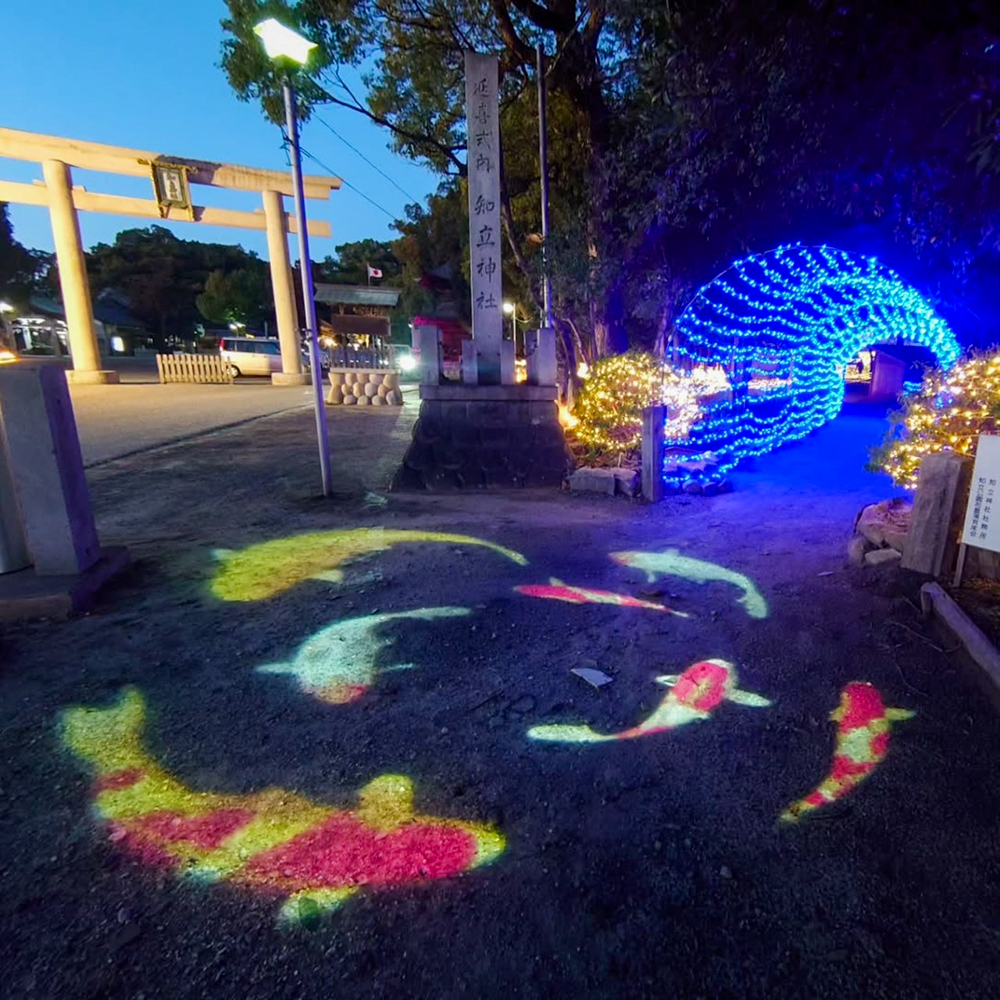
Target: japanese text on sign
(981,528)
(481,81)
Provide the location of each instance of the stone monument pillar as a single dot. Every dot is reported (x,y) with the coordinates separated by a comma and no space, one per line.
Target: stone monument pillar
(486,431)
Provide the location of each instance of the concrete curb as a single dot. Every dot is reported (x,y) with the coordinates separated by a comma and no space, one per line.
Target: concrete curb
(933,598)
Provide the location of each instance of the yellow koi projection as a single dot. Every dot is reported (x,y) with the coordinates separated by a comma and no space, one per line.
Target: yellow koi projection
(274,841)
(270,568)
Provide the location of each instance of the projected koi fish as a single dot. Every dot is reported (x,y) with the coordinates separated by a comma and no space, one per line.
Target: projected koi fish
(274,841)
(671,563)
(270,568)
(556,590)
(695,695)
(863,725)
(337,664)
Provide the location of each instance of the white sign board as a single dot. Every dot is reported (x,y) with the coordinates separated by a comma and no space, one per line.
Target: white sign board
(982,516)
(483,127)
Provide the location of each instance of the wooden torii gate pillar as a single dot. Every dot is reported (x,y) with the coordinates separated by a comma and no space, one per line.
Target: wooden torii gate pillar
(171,177)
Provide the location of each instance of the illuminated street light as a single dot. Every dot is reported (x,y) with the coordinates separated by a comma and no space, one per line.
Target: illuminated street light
(283,43)
(510,309)
(280,41)
(6,307)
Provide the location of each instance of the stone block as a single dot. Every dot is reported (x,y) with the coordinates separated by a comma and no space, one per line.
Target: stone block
(627,482)
(935,523)
(38,435)
(587,480)
(377,401)
(495,437)
(426,342)
(470,363)
(470,477)
(500,477)
(363,400)
(349,399)
(857,547)
(879,557)
(395,398)
(879,520)
(507,359)
(540,352)
(442,480)
(336,378)
(370,389)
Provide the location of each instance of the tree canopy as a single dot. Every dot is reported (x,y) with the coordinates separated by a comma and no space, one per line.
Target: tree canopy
(168,280)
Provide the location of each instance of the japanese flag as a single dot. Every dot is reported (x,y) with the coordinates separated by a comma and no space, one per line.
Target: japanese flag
(374,272)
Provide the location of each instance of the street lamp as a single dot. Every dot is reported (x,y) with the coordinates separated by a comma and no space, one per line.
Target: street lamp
(510,309)
(281,43)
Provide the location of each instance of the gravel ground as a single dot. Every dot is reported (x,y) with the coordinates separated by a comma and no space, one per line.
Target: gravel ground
(643,868)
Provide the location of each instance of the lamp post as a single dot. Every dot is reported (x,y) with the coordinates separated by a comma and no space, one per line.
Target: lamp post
(510,309)
(282,43)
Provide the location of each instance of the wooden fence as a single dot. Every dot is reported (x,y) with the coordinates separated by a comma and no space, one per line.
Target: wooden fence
(193,368)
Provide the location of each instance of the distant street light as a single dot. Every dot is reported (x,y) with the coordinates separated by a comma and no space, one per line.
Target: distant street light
(281,43)
(510,309)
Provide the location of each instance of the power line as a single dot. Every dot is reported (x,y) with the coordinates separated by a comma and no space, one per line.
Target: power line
(332,173)
(374,167)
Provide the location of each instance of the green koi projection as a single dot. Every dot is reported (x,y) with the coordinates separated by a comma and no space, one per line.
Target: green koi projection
(337,663)
(273,842)
(270,568)
(671,563)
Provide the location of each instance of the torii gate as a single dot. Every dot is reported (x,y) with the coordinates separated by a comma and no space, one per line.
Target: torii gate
(171,176)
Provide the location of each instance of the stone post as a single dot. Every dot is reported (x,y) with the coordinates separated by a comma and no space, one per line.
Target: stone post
(426,342)
(46,468)
(540,354)
(508,359)
(284,296)
(935,524)
(470,363)
(73,277)
(653,420)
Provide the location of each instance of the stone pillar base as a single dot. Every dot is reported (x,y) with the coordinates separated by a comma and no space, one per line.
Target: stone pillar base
(92,378)
(290,378)
(485,437)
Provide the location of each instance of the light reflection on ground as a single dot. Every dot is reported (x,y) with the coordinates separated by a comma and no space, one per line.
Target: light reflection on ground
(695,695)
(268,569)
(338,663)
(863,727)
(275,841)
(670,562)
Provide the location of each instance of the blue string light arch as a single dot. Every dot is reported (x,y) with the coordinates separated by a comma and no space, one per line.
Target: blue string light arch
(776,330)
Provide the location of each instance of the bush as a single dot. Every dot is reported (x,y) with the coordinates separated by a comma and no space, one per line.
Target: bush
(619,388)
(948,414)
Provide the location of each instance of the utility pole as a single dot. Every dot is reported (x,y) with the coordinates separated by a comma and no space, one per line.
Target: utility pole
(543,173)
(308,292)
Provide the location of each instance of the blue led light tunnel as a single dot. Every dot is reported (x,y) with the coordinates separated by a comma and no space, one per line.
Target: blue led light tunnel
(778,329)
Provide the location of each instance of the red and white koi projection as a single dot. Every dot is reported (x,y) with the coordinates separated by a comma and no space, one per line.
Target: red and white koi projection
(863,726)
(556,590)
(695,695)
(275,841)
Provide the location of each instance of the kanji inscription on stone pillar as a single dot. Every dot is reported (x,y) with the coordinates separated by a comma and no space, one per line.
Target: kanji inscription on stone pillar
(483,126)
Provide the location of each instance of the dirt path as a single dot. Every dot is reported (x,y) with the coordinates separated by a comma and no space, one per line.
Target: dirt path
(653,866)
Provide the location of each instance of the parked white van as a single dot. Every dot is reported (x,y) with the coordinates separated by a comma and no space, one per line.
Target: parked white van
(250,355)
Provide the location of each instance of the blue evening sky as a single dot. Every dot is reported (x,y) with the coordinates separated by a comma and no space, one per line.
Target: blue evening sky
(131,73)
